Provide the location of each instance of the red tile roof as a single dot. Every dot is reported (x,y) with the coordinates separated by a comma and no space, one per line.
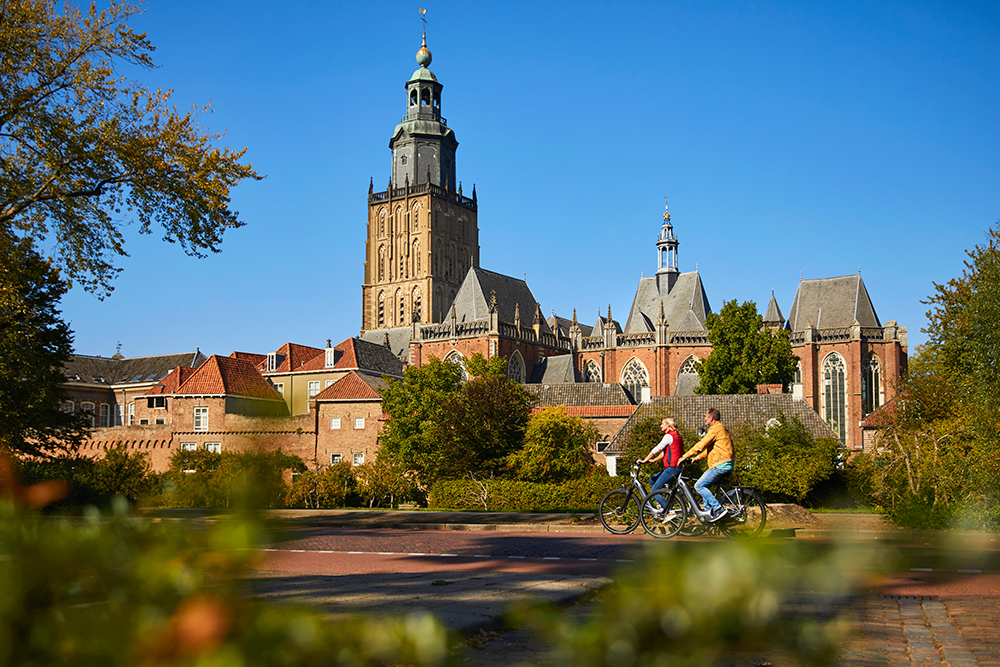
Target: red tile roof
(882,417)
(233,377)
(292,357)
(171,381)
(594,410)
(352,386)
(253,357)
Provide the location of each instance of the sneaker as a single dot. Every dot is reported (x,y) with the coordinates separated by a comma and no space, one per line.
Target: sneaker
(717,515)
(667,518)
(657,512)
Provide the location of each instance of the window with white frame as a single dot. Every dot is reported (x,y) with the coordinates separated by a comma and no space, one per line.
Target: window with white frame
(214,447)
(201,419)
(119,414)
(131,413)
(359,458)
(334,423)
(280,388)
(313,388)
(143,422)
(105,415)
(328,383)
(160,421)
(359,423)
(335,459)
(189,446)
(69,407)
(88,409)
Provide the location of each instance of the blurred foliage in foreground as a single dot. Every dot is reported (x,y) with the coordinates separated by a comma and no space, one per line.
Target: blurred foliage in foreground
(119,590)
(702,603)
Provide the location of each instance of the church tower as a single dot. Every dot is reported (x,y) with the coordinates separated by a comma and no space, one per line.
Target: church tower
(666,256)
(423,234)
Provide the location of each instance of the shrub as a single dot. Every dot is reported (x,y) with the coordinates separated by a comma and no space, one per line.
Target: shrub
(200,478)
(504,495)
(556,447)
(328,488)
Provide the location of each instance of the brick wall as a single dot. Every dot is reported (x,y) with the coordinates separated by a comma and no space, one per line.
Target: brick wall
(347,440)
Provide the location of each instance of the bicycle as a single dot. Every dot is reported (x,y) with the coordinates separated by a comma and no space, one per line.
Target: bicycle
(747,512)
(619,508)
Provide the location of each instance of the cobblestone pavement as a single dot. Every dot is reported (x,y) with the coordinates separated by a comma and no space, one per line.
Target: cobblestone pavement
(891,631)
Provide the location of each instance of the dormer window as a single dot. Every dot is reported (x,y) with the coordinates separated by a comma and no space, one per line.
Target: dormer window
(331,357)
(272,361)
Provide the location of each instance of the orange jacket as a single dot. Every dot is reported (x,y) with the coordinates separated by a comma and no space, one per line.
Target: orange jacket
(718,443)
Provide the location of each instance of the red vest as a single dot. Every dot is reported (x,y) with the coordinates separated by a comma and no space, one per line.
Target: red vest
(673,451)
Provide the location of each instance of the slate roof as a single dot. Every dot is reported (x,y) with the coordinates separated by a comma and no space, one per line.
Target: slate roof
(473,298)
(583,393)
(172,382)
(602,323)
(828,303)
(562,324)
(290,357)
(399,340)
(773,314)
(128,370)
(686,307)
(554,370)
(753,409)
(352,387)
(230,377)
(356,354)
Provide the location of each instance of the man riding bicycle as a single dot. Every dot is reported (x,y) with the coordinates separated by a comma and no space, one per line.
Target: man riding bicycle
(717,446)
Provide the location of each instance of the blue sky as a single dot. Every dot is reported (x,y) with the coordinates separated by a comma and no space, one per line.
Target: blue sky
(791,138)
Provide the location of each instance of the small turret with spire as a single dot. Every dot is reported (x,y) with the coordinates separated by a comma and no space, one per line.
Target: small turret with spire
(666,255)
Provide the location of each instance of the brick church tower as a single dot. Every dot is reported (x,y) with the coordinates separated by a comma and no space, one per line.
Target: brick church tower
(423,235)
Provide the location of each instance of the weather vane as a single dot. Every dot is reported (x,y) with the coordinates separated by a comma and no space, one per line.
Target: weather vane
(666,210)
(423,17)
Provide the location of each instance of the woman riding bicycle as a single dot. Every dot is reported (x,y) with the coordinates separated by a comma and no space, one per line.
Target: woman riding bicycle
(671,445)
(718,447)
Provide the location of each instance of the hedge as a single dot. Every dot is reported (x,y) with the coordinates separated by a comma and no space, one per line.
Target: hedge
(505,495)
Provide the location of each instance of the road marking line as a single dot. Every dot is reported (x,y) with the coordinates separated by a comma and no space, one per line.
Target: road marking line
(355,552)
(448,555)
(483,556)
(515,556)
(624,560)
(326,552)
(971,571)
(921,569)
(551,558)
(589,559)
(270,549)
(297,551)
(385,553)
(416,554)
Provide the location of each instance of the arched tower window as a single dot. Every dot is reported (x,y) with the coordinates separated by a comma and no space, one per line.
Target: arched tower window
(381,223)
(415,296)
(437,100)
(592,372)
(871,384)
(425,97)
(413,97)
(402,308)
(634,377)
(455,357)
(381,309)
(835,394)
(381,263)
(416,258)
(416,216)
(515,367)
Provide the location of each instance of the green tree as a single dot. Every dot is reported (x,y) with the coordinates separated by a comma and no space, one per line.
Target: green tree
(328,488)
(36,344)
(744,354)
(384,482)
(84,150)
(783,458)
(556,448)
(119,473)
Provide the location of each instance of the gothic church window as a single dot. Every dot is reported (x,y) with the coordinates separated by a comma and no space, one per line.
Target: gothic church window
(634,377)
(592,372)
(416,304)
(402,308)
(455,357)
(835,395)
(381,309)
(515,367)
(871,384)
(381,263)
(416,258)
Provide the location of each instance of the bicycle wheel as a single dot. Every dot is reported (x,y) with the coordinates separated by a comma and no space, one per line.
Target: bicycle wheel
(665,522)
(750,513)
(619,511)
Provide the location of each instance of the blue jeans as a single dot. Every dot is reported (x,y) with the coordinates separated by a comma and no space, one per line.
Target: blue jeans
(660,480)
(709,477)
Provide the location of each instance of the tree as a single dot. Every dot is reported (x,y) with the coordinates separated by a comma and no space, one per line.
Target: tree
(84,151)
(744,354)
(36,344)
(784,458)
(556,448)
